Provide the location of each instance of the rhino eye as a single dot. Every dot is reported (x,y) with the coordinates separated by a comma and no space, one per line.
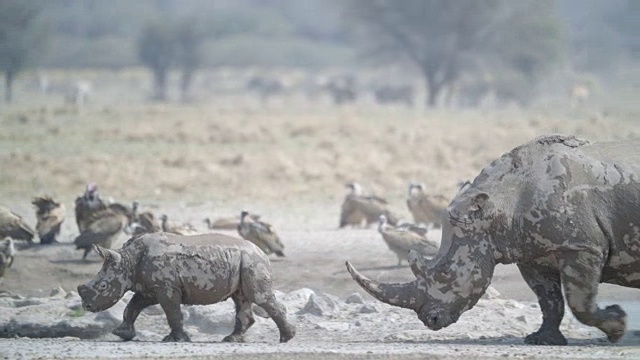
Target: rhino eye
(444,275)
(103,285)
(448,273)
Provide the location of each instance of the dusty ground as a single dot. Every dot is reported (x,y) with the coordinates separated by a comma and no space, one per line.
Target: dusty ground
(315,260)
(288,162)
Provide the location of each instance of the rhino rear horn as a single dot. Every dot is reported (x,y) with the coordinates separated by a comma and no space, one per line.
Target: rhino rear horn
(403,295)
(417,264)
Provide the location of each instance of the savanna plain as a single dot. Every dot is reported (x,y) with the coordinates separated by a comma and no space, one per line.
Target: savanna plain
(287,160)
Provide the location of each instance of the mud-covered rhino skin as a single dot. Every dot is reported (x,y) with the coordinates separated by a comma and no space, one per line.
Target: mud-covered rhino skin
(197,270)
(567,212)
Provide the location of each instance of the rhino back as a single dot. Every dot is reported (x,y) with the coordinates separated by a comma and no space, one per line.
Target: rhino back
(626,154)
(205,268)
(560,192)
(548,166)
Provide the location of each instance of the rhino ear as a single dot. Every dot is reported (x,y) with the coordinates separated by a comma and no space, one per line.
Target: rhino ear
(481,199)
(108,255)
(481,202)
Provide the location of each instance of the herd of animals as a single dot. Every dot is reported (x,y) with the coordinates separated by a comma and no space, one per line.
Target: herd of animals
(340,89)
(348,89)
(100,223)
(148,264)
(242,265)
(563,209)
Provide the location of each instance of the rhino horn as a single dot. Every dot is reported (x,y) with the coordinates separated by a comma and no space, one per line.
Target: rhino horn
(403,295)
(417,264)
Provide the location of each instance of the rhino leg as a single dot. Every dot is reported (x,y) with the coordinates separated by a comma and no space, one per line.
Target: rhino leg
(244,318)
(581,273)
(169,299)
(138,303)
(545,283)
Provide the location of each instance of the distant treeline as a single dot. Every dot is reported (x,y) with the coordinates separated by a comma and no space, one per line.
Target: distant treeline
(93,33)
(96,33)
(504,48)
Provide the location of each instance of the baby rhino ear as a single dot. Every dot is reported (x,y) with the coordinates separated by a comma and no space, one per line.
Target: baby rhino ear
(108,255)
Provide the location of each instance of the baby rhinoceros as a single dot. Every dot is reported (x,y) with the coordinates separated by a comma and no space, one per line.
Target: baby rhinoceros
(197,270)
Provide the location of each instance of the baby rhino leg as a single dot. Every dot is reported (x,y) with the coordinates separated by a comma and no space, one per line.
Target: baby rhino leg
(278,313)
(244,318)
(169,298)
(256,286)
(137,303)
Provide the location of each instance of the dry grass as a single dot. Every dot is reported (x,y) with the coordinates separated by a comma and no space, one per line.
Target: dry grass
(229,148)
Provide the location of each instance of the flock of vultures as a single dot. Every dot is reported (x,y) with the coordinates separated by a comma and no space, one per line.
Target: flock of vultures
(100,223)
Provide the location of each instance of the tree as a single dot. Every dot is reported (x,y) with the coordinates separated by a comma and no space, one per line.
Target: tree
(156,49)
(601,33)
(445,39)
(526,43)
(20,38)
(189,36)
(165,44)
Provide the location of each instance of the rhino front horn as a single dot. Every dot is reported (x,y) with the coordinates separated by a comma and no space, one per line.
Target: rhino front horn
(402,295)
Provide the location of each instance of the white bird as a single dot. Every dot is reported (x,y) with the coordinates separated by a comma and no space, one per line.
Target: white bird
(7,253)
(50,216)
(227,223)
(403,238)
(14,226)
(357,208)
(426,209)
(260,233)
(184,229)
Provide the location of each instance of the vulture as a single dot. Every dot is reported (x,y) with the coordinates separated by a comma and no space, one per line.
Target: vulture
(426,209)
(88,204)
(227,223)
(101,228)
(358,208)
(142,223)
(12,225)
(7,253)
(184,229)
(403,238)
(123,210)
(263,235)
(50,216)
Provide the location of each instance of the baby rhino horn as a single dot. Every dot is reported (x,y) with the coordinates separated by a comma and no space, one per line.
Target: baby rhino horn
(108,255)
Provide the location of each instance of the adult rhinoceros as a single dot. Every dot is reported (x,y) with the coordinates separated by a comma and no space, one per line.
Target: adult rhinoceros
(564,210)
